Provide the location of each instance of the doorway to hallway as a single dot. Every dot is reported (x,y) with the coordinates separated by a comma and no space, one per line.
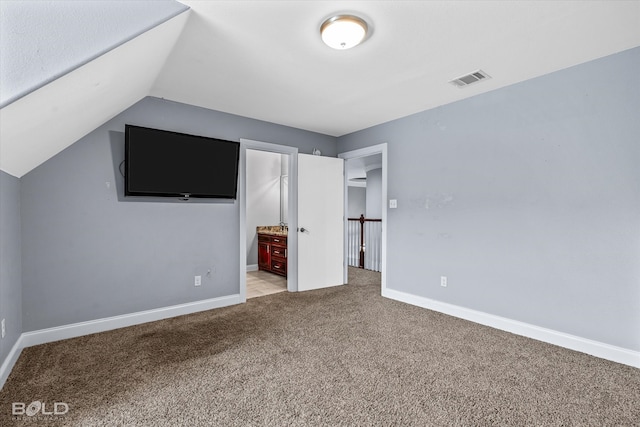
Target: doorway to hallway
(366,211)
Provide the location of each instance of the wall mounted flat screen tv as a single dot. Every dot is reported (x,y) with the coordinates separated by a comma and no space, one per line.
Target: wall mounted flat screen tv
(169,164)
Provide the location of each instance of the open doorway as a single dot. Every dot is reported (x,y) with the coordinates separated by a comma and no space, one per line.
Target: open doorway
(316,201)
(266,222)
(365,214)
(261,182)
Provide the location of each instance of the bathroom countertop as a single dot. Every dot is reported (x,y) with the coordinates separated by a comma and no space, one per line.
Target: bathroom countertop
(272,230)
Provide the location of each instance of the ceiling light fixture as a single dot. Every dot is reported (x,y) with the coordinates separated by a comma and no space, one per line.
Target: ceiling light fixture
(343,31)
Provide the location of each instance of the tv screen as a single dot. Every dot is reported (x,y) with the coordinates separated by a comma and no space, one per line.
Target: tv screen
(171,164)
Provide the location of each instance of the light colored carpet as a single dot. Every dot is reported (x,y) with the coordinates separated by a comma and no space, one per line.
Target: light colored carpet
(338,356)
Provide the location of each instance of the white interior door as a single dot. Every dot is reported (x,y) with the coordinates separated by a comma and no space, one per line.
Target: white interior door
(320,222)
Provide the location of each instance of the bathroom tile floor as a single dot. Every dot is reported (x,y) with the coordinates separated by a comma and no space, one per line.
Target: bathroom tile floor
(261,283)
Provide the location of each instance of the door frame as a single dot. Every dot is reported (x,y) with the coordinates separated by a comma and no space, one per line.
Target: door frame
(292,210)
(365,152)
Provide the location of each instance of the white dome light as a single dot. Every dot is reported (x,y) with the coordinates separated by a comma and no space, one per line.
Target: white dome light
(343,31)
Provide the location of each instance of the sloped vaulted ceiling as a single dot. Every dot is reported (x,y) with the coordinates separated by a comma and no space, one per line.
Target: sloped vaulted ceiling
(265,60)
(69,66)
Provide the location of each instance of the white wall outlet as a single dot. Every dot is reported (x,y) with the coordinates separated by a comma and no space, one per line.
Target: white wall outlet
(197,281)
(393,203)
(443,281)
(4,329)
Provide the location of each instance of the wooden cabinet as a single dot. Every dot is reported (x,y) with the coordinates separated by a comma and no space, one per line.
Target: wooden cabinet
(272,253)
(264,255)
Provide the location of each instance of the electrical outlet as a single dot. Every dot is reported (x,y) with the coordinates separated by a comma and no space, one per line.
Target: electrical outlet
(197,281)
(443,281)
(4,329)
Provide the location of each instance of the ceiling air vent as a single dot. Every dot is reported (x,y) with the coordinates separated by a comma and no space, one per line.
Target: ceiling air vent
(471,78)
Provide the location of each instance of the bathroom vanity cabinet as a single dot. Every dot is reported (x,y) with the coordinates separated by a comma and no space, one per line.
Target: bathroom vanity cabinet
(272,253)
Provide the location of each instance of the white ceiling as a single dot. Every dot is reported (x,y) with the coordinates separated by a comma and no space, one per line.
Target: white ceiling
(39,125)
(43,40)
(265,60)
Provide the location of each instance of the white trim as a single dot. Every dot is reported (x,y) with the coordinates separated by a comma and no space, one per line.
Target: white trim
(363,152)
(374,166)
(42,336)
(252,267)
(106,324)
(10,361)
(292,213)
(594,348)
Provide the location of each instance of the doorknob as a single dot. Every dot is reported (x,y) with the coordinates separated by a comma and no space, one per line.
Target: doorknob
(302,230)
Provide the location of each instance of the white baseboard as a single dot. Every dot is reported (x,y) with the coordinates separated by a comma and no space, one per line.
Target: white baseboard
(10,361)
(42,336)
(594,348)
(100,325)
(252,267)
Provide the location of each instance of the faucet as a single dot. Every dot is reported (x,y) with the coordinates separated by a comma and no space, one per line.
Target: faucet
(282,225)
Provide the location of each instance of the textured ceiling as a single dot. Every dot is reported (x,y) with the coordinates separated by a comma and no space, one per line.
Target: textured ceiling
(265,60)
(44,40)
(44,122)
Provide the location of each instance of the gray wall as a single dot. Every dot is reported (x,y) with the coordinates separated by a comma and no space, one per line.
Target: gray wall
(10,262)
(357,199)
(374,194)
(527,198)
(88,254)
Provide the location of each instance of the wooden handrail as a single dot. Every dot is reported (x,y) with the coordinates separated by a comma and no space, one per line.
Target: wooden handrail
(365,219)
(362,220)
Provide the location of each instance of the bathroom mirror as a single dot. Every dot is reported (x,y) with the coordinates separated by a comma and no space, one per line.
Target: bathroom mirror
(284,198)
